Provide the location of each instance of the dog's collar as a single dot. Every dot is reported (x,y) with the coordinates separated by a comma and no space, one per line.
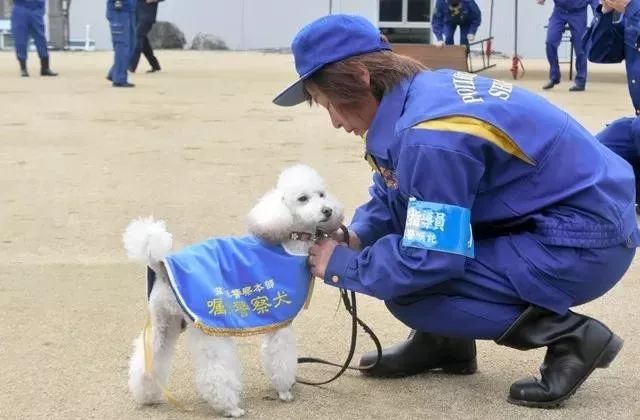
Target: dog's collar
(307,236)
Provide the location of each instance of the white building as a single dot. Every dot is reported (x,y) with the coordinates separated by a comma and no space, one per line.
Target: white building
(259,24)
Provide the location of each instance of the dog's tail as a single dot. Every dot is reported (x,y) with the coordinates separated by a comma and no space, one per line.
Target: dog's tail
(147,240)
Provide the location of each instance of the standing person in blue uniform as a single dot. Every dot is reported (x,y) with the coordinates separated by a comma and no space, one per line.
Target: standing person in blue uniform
(471,232)
(574,14)
(122,21)
(622,137)
(27,19)
(451,14)
(146,13)
(615,37)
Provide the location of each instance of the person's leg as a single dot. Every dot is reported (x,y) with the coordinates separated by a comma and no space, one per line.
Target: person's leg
(464,31)
(554,36)
(578,26)
(449,32)
(576,344)
(132,36)
(482,305)
(135,57)
(517,291)
(140,33)
(147,50)
(446,319)
(37,30)
(20,32)
(119,24)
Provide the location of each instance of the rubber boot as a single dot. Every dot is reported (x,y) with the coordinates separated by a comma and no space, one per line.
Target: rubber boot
(576,346)
(421,352)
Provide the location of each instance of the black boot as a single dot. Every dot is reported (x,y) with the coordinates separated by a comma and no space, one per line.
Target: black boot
(550,85)
(421,352)
(576,345)
(576,88)
(155,64)
(23,68)
(45,70)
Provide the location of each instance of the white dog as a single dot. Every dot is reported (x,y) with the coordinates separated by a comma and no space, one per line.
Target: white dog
(283,226)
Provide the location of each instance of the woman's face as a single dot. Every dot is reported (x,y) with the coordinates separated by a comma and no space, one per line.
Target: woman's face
(354,119)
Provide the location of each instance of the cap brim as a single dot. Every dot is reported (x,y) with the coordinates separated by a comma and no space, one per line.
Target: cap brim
(293,95)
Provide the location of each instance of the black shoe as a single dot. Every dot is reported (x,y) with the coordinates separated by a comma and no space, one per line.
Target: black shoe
(123,85)
(23,68)
(155,64)
(422,352)
(576,88)
(550,85)
(109,78)
(45,70)
(576,345)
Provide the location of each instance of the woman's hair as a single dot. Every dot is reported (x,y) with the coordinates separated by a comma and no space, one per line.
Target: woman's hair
(342,84)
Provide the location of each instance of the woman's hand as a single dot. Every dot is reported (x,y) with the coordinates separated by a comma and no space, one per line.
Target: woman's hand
(617,5)
(319,256)
(354,241)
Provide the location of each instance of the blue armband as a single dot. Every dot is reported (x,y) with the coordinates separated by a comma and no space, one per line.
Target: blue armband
(438,227)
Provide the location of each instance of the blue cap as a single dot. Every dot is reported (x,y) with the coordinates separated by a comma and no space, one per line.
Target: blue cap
(327,40)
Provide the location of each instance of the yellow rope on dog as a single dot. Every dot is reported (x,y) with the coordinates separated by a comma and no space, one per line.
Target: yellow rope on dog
(148,365)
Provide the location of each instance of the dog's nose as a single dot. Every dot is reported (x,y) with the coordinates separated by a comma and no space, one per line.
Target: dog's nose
(327,211)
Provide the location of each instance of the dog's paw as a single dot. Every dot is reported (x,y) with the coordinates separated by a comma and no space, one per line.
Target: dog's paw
(285,396)
(234,412)
(145,391)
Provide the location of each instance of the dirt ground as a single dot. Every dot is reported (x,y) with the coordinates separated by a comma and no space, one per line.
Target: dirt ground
(197,144)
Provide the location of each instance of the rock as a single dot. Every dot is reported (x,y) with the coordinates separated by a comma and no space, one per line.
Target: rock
(208,42)
(166,35)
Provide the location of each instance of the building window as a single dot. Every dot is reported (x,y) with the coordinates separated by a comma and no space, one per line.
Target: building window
(406,21)
(418,11)
(391,10)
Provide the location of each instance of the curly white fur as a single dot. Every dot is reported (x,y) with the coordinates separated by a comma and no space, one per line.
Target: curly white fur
(299,203)
(146,239)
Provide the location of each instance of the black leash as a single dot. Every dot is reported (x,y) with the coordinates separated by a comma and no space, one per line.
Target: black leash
(350,306)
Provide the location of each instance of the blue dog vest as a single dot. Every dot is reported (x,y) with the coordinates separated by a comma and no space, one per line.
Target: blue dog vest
(239,285)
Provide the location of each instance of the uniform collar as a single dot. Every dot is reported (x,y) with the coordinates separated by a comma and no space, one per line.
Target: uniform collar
(382,131)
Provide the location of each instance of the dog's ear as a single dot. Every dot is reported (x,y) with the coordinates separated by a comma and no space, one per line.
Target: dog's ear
(270,219)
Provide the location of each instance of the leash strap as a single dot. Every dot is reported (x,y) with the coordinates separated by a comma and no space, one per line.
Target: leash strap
(350,306)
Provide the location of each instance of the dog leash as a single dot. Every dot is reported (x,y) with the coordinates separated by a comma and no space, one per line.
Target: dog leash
(351,308)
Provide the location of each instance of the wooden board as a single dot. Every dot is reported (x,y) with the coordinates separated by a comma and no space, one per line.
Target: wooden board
(449,57)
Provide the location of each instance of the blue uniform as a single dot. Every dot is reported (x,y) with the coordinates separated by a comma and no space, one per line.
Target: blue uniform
(623,138)
(447,18)
(123,36)
(574,14)
(27,18)
(239,286)
(610,41)
(492,149)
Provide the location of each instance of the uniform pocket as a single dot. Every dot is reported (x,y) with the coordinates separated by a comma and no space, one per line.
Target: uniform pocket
(117,32)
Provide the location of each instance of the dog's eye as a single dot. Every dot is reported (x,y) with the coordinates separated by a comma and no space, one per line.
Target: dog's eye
(321,195)
(303,198)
